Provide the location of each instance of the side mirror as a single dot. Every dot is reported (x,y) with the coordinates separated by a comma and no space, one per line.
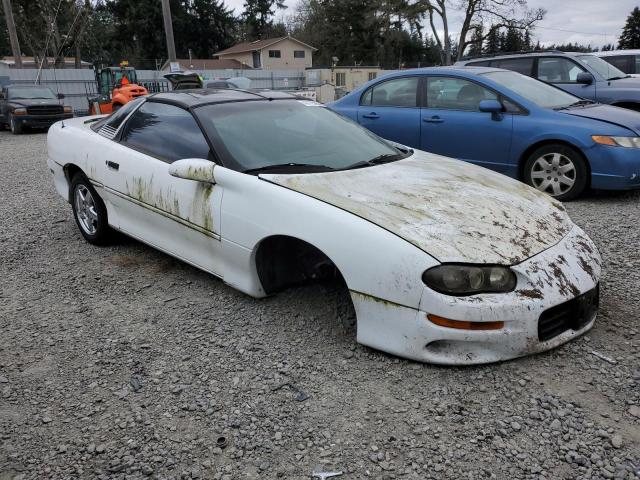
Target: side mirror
(585,78)
(490,106)
(196,169)
(60,96)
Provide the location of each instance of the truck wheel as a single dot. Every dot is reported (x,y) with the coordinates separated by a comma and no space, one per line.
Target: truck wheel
(89,211)
(558,170)
(16,127)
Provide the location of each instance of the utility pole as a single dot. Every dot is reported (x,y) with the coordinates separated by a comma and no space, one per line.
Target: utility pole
(168,30)
(13,36)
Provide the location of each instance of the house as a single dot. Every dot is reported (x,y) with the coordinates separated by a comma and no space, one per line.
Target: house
(29,62)
(205,64)
(271,53)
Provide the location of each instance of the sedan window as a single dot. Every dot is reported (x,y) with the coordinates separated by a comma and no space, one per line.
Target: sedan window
(541,94)
(165,132)
(399,92)
(456,94)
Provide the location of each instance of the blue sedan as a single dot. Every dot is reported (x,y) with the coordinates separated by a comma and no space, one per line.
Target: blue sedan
(505,121)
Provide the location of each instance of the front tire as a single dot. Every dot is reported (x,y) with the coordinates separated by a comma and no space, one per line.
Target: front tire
(16,127)
(89,211)
(557,170)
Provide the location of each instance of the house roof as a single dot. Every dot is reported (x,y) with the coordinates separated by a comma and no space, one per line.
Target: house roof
(208,64)
(259,45)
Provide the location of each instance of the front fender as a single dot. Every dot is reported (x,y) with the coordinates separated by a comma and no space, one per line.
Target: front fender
(372,260)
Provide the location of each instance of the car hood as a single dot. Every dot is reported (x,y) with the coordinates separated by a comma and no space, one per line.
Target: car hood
(25,102)
(622,117)
(453,210)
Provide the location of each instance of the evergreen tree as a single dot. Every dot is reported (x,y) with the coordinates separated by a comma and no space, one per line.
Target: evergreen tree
(630,37)
(258,18)
(492,42)
(476,41)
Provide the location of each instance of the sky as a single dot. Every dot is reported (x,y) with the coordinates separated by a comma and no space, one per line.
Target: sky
(597,22)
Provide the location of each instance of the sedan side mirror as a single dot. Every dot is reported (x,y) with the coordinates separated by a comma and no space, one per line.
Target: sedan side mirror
(494,107)
(196,169)
(585,78)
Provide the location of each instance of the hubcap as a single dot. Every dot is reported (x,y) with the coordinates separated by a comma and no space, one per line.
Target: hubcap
(553,173)
(86,209)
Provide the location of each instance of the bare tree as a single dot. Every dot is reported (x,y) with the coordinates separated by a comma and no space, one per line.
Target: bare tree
(498,13)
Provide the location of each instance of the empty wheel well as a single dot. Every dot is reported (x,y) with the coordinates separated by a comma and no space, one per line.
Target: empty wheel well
(535,146)
(283,261)
(630,105)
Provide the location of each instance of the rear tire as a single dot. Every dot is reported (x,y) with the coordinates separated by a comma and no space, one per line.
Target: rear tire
(558,170)
(89,211)
(16,127)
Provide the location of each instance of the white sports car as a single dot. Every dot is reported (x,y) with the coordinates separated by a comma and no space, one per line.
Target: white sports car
(445,262)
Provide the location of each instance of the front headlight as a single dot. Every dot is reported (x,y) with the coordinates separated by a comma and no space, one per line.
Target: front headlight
(19,111)
(68,110)
(628,142)
(461,279)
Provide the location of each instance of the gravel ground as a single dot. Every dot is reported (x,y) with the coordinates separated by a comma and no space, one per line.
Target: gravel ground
(120,362)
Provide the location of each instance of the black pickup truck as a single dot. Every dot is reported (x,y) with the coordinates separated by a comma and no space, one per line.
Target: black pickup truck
(30,106)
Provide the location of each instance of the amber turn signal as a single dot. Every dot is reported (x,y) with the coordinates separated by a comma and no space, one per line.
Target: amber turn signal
(464,325)
(604,140)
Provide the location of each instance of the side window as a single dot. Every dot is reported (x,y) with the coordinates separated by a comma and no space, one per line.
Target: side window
(520,65)
(456,94)
(623,62)
(558,70)
(399,92)
(166,132)
(113,121)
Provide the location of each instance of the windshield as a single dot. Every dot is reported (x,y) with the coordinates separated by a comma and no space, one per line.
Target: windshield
(540,93)
(31,93)
(257,134)
(602,67)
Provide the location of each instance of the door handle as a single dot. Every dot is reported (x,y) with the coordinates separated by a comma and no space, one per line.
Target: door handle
(371,115)
(435,119)
(112,165)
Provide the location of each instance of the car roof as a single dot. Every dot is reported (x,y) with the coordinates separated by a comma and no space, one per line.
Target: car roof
(463,70)
(207,96)
(618,52)
(548,53)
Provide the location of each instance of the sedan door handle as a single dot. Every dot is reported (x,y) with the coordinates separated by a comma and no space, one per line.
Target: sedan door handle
(371,115)
(112,165)
(435,119)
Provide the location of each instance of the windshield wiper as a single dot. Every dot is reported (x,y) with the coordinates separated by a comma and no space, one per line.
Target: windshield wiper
(576,104)
(281,166)
(379,160)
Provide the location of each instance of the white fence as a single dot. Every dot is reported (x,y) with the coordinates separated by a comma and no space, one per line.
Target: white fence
(78,84)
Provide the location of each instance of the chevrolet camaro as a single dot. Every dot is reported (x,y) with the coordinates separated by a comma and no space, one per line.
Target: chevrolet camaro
(445,261)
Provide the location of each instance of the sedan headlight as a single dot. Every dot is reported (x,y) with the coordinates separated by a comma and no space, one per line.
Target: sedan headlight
(19,111)
(628,142)
(461,279)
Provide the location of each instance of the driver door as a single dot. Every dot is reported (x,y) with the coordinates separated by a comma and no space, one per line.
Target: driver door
(180,217)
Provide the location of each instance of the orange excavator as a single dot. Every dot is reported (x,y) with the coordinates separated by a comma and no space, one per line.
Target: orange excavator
(116,86)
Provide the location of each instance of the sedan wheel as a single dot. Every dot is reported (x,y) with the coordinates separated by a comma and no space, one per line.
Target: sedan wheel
(556,170)
(89,211)
(86,210)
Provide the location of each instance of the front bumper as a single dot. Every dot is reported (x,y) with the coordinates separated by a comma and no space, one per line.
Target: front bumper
(556,276)
(41,121)
(614,168)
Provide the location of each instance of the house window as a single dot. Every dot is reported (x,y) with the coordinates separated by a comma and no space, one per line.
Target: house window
(274,53)
(298,54)
(341,79)
(373,75)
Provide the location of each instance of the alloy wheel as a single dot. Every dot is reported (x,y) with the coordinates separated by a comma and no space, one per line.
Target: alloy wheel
(553,173)
(86,209)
